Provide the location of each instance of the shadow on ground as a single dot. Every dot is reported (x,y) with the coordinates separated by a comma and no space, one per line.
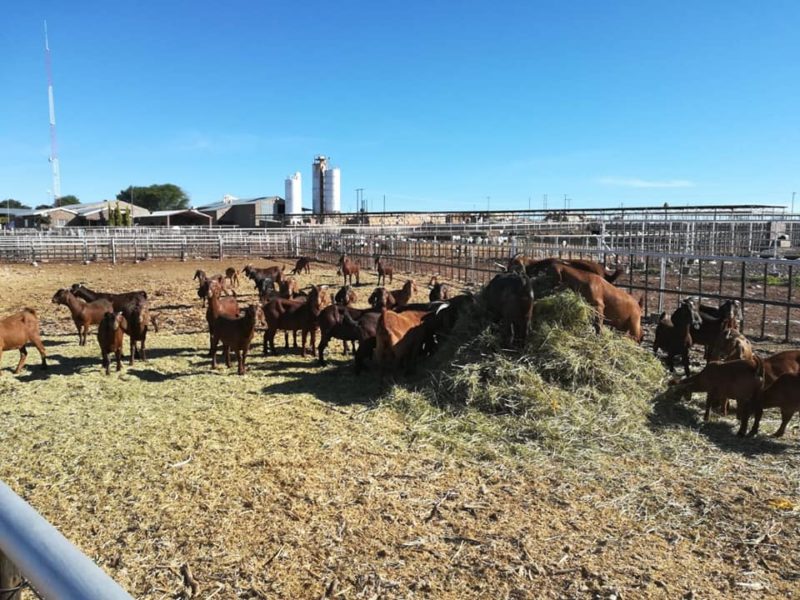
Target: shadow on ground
(336,383)
(671,411)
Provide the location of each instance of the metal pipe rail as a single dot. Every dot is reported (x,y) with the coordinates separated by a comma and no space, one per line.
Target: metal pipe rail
(56,569)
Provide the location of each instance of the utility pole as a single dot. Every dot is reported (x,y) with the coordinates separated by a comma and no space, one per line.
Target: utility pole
(793,195)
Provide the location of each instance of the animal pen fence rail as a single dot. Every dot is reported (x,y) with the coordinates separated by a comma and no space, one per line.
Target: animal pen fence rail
(766,288)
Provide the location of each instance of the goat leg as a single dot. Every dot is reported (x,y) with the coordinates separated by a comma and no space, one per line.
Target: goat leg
(105,362)
(786,416)
(227,350)
(709,400)
(23,356)
(214,344)
(37,341)
(323,344)
(758,412)
(118,354)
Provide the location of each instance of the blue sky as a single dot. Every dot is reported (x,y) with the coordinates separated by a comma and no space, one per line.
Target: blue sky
(435,104)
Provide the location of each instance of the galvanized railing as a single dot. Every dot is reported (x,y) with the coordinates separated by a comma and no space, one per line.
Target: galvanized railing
(766,288)
(35,556)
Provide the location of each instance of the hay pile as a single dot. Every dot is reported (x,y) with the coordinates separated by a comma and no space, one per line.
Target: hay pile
(567,392)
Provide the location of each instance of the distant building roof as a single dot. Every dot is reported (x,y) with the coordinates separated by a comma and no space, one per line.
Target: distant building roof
(85,210)
(15,212)
(229,201)
(169,213)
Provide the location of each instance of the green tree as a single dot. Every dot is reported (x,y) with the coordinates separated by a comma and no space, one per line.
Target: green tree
(42,206)
(111,216)
(68,200)
(127,217)
(163,196)
(117,216)
(11,203)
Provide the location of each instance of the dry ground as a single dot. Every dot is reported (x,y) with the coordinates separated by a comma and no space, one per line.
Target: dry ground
(292,482)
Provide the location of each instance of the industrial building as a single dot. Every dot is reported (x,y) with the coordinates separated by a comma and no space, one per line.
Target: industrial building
(172,218)
(250,212)
(95,214)
(326,187)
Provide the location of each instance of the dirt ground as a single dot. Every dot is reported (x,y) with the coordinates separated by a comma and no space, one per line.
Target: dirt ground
(292,482)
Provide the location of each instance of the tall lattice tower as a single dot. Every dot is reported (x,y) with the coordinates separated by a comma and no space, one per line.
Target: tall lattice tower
(53,142)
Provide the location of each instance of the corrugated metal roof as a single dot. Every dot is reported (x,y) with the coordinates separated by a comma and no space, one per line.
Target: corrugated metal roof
(170,213)
(240,202)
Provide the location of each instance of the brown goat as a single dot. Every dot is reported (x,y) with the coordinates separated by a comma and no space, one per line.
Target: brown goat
(533,267)
(509,299)
(232,275)
(777,365)
(274,273)
(110,335)
(399,338)
(784,393)
(731,345)
(303,264)
(218,307)
(402,296)
(235,334)
(439,291)
(737,379)
(84,314)
(136,325)
(224,282)
(614,305)
(383,270)
(347,268)
(118,301)
(18,330)
(288,288)
(380,298)
(674,336)
(345,296)
(293,315)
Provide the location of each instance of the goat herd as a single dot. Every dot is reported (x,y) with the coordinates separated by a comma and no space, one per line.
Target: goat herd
(394,332)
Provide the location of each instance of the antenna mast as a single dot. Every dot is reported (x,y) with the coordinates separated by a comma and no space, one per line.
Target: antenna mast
(53,143)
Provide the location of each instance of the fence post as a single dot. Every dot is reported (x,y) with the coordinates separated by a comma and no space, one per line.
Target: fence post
(85,250)
(788,302)
(184,248)
(10,579)
(113,251)
(663,284)
(219,246)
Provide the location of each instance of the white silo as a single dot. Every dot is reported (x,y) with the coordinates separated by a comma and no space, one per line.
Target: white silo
(318,168)
(294,197)
(333,191)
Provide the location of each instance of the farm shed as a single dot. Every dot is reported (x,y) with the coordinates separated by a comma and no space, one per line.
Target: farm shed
(168,218)
(253,212)
(52,217)
(96,213)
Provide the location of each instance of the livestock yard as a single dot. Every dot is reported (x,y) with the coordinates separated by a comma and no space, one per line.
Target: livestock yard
(572,471)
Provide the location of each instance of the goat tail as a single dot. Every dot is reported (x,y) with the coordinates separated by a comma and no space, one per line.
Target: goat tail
(614,276)
(759,364)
